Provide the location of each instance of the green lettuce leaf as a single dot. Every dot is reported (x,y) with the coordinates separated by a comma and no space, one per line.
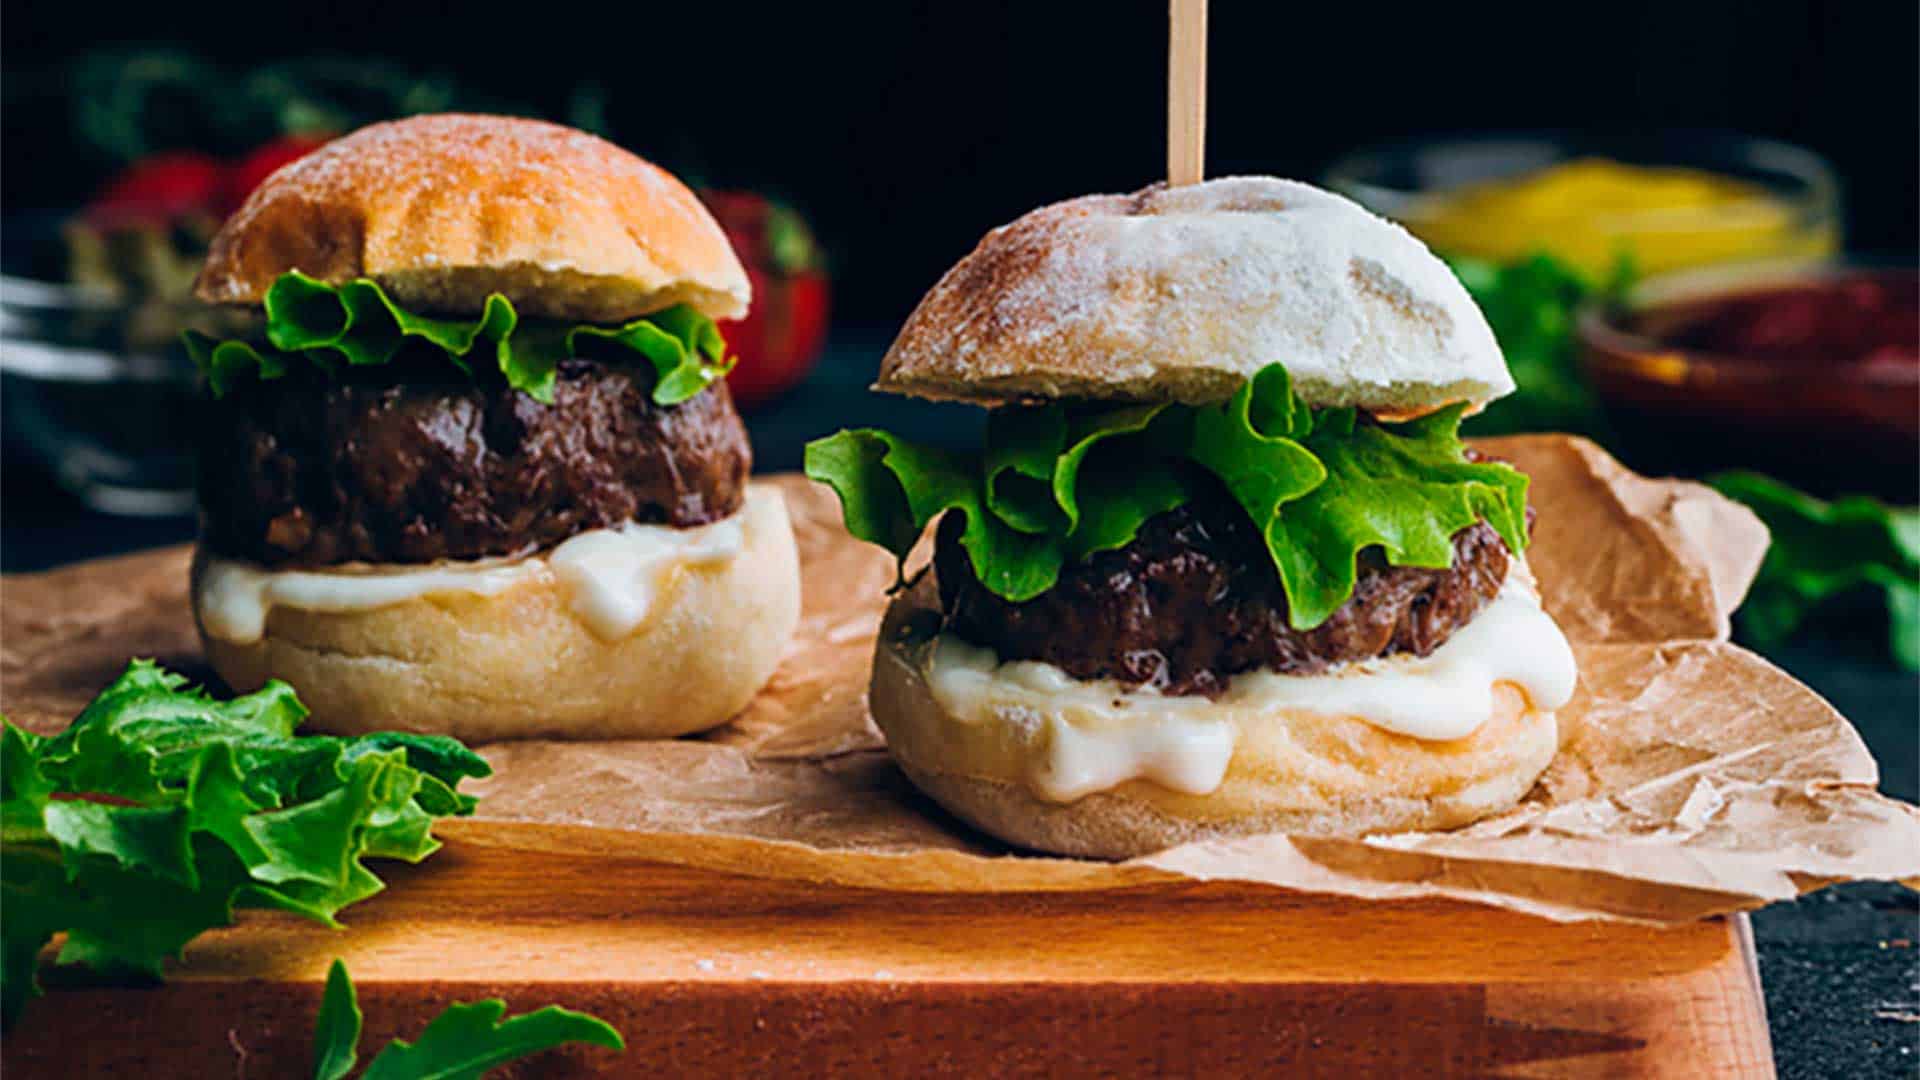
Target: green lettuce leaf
(357,323)
(1406,489)
(1050,486)
(1022,445)
(161,810)
(1117,471)
(890,489)
(1323,486)
(1253,443)
(1055,485)
(1074,477)
(1821,549)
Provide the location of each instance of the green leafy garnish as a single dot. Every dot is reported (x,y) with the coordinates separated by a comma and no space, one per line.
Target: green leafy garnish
(357,323)
(460,1044)
(1055,484)
(161,810)
(1115,473)
(1532,306)
(1406,489)
(336,1032)
(1821,549)
(890,488)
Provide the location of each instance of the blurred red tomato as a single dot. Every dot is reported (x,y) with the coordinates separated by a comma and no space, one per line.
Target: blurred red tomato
(783,334)
(164,186)
(247,173)
(160,187)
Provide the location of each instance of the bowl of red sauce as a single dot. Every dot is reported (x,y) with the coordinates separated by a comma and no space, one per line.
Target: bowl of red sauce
(1807,371)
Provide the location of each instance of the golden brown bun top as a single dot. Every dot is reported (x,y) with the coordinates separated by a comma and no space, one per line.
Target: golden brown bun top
(442,210)
(1182,293)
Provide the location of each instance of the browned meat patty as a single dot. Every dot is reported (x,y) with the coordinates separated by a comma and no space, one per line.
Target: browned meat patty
(1194,600)
(411,463)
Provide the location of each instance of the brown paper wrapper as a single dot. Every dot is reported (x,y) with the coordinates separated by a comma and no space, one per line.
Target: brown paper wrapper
(1693,778)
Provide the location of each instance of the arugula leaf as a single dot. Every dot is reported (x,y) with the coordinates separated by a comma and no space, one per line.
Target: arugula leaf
(359,324)
(160,810)
(1054,485)
(1821,549)
(336,1032)
(463,1042)
(466,1040)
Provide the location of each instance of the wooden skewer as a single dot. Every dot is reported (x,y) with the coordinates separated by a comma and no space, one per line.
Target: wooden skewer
(1186,91)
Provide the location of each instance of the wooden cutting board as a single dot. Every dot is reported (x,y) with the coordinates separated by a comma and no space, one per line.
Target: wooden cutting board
(717,975)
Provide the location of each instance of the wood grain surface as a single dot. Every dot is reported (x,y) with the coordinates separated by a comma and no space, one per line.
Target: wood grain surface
(708,974)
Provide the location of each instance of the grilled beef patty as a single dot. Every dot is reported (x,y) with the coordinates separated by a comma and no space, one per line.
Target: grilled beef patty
(411,463)
(1194,599)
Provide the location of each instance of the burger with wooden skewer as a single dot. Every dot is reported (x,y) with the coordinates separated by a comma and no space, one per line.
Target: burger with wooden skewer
(1223,564)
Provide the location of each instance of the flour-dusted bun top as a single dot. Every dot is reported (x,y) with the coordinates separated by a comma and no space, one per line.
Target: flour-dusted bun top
(1182,293)
(442,210)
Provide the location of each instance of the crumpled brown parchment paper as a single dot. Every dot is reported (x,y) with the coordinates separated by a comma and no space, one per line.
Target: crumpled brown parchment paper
(1693,779)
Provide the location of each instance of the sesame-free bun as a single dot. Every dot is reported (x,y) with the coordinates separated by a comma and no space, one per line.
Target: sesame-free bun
(442,210)
(1291,772)
(1182,293)
(519,664)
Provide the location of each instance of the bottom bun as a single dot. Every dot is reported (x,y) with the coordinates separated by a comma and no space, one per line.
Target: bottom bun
(1290,771)
(519,664)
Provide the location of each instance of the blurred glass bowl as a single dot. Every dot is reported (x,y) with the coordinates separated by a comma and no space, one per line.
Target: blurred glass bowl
(1690,199)
(101,393)
(1808,372)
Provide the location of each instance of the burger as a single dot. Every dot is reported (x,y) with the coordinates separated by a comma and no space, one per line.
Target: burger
(475,469)
(1223,564)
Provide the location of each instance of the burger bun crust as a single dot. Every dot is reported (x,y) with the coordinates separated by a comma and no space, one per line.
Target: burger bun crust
(444,210)
(1182,293)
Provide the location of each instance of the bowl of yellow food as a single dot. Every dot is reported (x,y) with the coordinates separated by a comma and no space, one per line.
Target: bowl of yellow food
(1659,203)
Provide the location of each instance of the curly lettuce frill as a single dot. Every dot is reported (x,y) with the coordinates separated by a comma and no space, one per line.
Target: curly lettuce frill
(357,323)
(1055,485)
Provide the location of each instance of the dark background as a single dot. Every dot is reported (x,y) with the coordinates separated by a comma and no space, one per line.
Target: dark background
(905,130)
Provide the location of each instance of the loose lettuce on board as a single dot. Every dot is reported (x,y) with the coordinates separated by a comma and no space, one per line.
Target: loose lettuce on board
(161,810)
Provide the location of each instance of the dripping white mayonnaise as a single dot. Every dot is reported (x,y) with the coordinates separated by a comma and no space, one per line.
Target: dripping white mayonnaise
(613,579)
(1099,734)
